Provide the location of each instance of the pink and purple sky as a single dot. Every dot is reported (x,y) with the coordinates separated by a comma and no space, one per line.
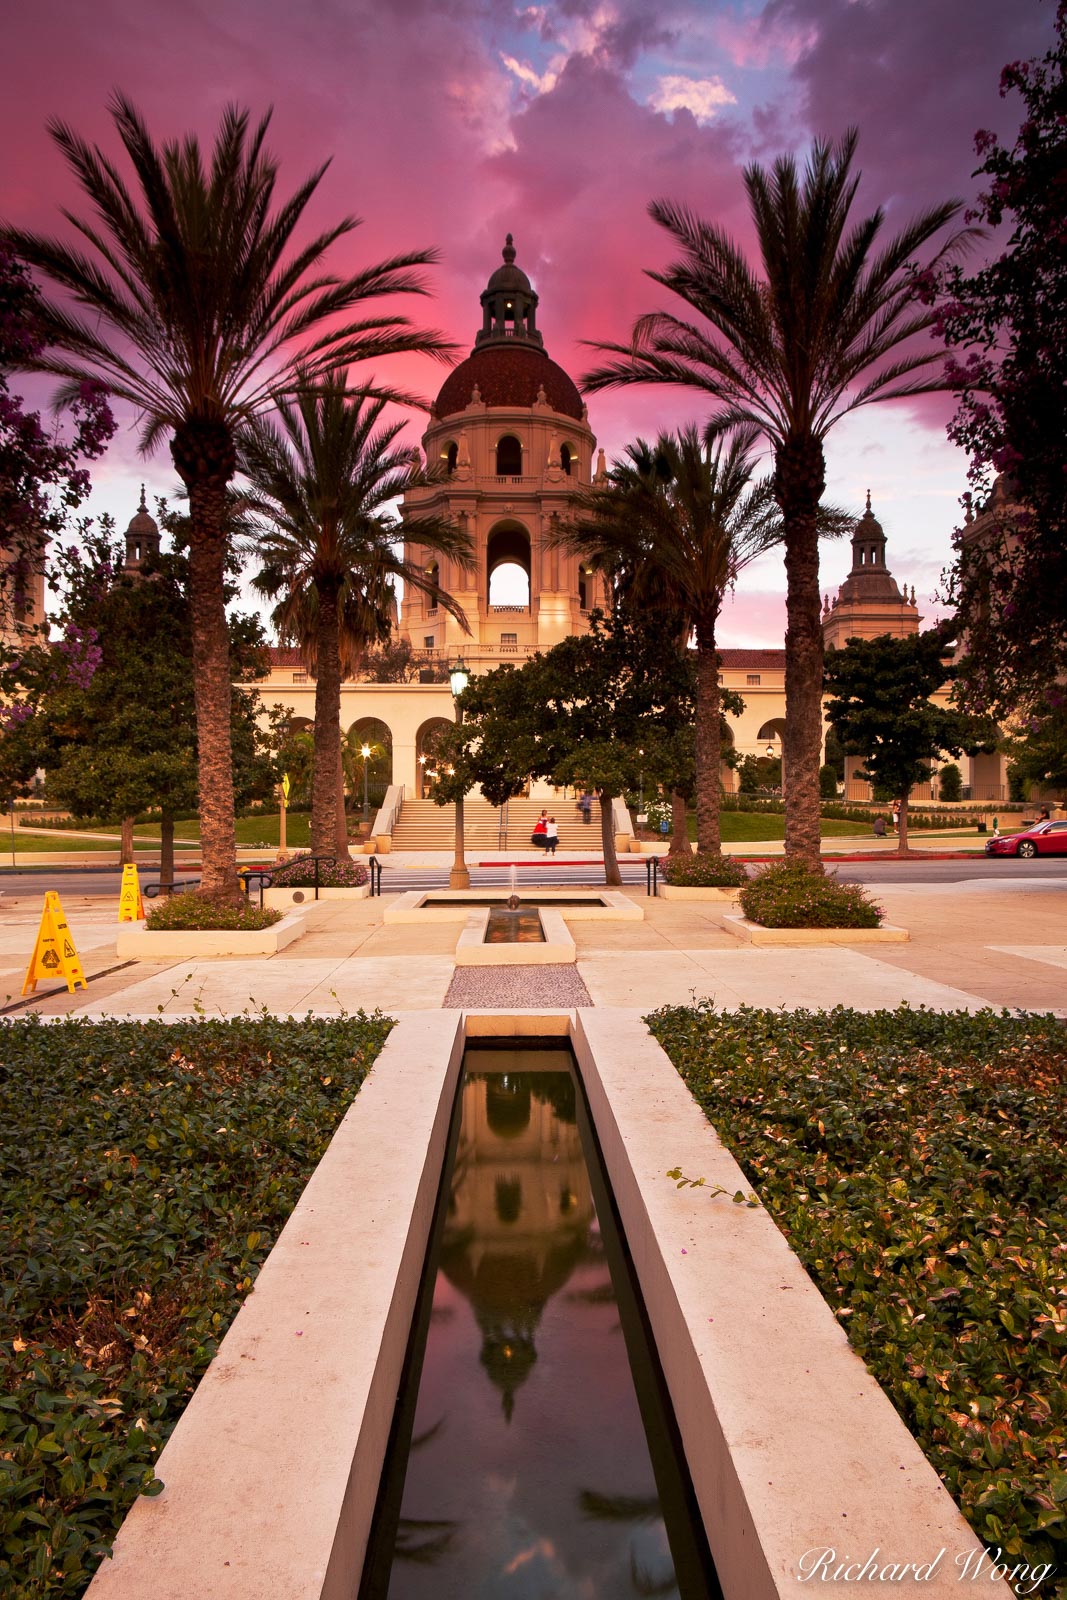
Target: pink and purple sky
(453,122)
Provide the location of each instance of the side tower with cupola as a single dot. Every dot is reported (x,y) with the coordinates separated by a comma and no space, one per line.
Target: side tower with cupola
(509,442)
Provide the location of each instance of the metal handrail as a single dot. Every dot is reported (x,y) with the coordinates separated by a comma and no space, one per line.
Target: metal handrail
(264,880)
(652,877)
(375,868)
(151,890)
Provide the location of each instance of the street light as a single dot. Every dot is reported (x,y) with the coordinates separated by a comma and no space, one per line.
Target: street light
(770,752)
(459,877)
(364,751)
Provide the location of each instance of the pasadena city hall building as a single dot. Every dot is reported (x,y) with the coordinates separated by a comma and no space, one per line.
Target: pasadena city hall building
(512,437)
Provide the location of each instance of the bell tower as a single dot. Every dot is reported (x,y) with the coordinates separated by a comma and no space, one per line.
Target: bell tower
(510,441)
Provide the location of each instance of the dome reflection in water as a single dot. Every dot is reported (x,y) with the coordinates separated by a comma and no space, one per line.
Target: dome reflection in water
(528,1470)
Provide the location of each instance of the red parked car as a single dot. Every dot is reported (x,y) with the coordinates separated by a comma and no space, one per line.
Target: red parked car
(1043,839)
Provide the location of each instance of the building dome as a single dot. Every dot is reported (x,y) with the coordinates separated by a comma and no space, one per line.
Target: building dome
(142,538)
(509,377)
(508,365)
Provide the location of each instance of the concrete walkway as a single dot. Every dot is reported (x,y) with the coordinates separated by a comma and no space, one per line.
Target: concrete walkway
(973,944)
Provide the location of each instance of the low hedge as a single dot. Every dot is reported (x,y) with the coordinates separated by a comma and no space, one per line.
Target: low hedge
(702,872)
(790,895)
(299,873)
(181,912)
(145,1173)
(917,1164)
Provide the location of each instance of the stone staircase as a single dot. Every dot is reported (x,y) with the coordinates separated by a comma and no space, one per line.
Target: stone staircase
(423,826)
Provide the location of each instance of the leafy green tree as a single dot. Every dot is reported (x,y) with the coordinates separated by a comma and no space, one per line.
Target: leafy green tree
(122,739)
(199,309)
(674,526)
(830,323)
(1037,751)
(322,477)
(880,705)
(581,714)
(1009,322)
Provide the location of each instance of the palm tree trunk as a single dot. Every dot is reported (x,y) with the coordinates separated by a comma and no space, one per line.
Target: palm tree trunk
(708,740)
(799,481)
(343,853)
(612,875)
(211,678)
(679,824)
(166,853)
(327,726)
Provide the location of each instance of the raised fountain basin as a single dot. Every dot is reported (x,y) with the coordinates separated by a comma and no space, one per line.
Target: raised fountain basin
(454,905)
(476,949)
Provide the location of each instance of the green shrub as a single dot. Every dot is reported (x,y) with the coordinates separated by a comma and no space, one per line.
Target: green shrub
(827,782)
(790,895)
(916,1163)
(189,911)
(703,872)
(299,873)
(146,1172)
(950,783)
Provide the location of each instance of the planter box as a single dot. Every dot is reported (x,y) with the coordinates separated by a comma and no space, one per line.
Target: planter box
(754,933)
(137,943)
(671,891)
(384,842)
(282,899)
(649,847)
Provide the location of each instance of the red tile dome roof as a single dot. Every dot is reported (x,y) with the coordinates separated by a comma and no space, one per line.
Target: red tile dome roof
(509,375)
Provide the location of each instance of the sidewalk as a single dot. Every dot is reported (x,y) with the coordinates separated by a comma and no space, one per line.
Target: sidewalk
(973,944)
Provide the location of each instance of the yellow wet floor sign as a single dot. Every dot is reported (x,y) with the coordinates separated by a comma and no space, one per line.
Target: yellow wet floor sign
(131,905)
(54,955)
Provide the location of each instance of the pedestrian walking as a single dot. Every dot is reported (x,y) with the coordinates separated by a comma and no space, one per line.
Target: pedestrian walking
(552,839)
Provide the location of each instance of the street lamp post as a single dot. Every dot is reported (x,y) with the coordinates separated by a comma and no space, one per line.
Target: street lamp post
(364,751)
(459,877)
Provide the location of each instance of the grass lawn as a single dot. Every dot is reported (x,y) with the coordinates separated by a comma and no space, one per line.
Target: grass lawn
(739,826)
(146,1173)
(917,1164)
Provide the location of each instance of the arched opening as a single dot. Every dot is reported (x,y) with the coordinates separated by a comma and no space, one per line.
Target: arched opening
(507,561)
(566,456)
(433,575)
(427,755)
(728,774)
(374,735)
(509,457)
(450,455)
(770,755)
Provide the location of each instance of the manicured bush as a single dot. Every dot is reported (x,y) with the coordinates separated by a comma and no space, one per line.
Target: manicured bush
(703,872)
(790,895)
(299,873)
(917,1164)
(828,782)
(950,783)
(189,911)
(145,1172)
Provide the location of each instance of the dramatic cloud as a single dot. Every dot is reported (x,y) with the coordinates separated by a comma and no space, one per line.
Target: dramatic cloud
(704,97)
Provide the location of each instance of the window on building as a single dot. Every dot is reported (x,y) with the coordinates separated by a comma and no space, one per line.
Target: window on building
(566,456)
(509,641)
(427,642)
(753,680)
(509,457)
(300,677)
(451,456)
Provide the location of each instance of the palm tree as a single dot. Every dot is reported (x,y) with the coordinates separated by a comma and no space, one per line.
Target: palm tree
(831,324)
(321,477)
(197,308)
(673,528)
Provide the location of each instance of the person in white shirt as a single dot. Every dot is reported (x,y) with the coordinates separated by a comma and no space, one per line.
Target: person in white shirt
(553,837)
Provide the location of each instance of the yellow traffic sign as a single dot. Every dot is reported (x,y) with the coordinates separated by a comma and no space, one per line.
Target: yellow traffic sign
(131,905)
(54,954)
(285,787)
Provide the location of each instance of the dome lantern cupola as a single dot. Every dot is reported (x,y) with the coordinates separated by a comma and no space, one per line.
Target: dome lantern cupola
(509,305)
(142,538)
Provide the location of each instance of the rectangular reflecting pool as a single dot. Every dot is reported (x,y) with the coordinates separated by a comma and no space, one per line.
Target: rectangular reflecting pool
(533,1449)
(521,926)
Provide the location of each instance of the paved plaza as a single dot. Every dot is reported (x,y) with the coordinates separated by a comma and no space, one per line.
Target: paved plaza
(973,944)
